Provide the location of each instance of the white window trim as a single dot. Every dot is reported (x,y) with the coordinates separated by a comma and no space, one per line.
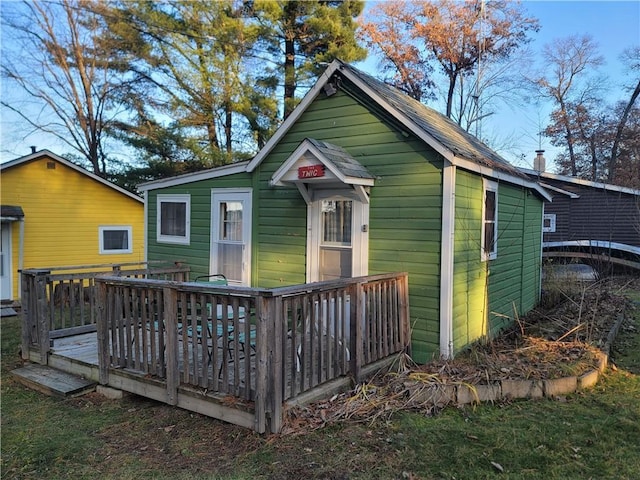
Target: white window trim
(552,223)
(105,228)
(244,195)
(184,198)
(491,186)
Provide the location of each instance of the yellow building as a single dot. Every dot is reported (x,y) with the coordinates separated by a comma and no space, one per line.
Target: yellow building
(55,213)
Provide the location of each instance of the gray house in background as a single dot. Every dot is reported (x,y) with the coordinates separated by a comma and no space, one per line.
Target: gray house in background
(589,220)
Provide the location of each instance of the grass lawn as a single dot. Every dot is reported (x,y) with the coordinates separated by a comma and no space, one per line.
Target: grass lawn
(593,434)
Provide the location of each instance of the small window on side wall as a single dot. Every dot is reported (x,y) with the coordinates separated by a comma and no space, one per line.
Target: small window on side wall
(490,220)
(115,239)
(549,223)
(174,219)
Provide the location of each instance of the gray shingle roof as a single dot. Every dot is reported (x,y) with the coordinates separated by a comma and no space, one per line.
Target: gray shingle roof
(438,126)
(344,162)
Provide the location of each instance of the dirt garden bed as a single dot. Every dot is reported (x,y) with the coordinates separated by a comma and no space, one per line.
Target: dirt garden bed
(551,343)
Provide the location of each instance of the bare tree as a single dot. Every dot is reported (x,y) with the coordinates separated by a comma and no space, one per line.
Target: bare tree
(568,81)
(457,38)
(388,30)
(632,57)
(59,63)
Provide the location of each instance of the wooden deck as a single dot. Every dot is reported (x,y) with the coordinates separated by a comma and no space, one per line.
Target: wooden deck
(157,338)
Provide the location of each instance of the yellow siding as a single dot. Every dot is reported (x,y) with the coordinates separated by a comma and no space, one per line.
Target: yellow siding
(63,209)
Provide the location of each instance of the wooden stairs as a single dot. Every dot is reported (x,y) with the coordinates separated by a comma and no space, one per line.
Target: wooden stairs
(53,382)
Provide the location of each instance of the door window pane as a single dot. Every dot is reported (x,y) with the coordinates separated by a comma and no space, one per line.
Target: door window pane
(231,221)
(336,222)
(335,263)
(230,261)
(230,242)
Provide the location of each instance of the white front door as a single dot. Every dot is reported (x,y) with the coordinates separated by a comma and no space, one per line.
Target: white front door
(231,235)
(5,262)
(337,242)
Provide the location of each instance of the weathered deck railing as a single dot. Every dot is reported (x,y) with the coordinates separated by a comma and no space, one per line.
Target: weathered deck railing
(261,345)
(61,301)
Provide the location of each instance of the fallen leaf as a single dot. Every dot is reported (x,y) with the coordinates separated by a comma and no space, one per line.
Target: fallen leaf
(497,466)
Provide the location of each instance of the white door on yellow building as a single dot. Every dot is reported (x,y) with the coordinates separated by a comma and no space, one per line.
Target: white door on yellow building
(5,261)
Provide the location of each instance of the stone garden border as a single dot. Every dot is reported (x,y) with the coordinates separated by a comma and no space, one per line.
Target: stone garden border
(462,394)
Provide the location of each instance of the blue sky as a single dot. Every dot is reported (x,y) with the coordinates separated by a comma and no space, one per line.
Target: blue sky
(613,25)
(513,129)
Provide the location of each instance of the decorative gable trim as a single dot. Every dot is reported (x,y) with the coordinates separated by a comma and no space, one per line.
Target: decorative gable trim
(316,164)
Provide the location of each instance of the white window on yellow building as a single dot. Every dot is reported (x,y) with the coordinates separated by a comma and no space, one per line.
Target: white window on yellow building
(115,239)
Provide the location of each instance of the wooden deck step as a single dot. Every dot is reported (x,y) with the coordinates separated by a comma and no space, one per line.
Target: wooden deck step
(6,311)
(53,382)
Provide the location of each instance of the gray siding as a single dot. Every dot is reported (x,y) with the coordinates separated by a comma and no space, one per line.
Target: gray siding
(598,214)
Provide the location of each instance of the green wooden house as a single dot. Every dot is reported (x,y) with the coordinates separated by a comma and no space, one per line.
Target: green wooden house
(359,180)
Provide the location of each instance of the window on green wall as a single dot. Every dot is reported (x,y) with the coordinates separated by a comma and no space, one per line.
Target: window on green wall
(174,219)
(490,221)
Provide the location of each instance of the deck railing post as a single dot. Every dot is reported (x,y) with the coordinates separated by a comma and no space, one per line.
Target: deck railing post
(262,370)
(102,332)
(26,313)
(276,369)
(42,314)
(403,302)
(171,329)
(356,319)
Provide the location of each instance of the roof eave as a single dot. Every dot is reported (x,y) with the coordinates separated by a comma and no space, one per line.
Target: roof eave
(502,176)
(73,166)
(190,177)
(581,181)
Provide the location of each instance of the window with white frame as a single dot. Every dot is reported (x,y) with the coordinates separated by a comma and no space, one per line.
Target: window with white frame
(549,223)
(174,219)
(490,220)
(115,239)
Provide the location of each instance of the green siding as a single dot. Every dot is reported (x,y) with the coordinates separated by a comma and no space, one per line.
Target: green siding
(404,215)
(196,254)
(404,228)
(469,272)
(514,287)
(487,295)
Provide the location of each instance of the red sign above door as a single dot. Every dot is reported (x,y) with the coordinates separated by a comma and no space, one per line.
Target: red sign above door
(311,171)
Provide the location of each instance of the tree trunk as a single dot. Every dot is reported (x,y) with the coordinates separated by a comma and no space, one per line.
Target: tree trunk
(289,57)
(616,141)
(453,77)
(569,137)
